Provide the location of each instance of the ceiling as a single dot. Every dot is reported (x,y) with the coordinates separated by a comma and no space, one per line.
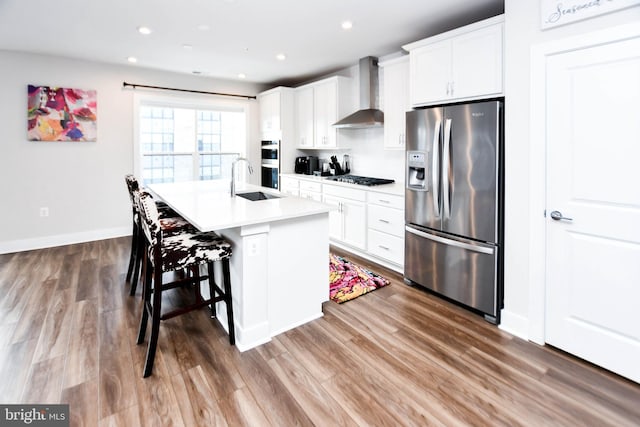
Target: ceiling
(229,37)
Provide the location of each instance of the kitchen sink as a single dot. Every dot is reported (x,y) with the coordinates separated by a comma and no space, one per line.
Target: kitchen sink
(257,195)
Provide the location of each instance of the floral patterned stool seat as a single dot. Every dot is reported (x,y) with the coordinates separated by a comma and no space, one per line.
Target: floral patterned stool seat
(184,250)
(170,222)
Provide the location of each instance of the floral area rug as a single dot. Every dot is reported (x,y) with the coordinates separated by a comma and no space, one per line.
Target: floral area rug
(348,280)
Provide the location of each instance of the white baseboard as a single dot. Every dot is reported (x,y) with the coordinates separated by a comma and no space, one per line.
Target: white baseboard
(514,324)
(11,246)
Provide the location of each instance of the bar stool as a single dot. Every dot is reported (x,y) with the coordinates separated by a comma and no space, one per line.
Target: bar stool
(183,250)
(170,222)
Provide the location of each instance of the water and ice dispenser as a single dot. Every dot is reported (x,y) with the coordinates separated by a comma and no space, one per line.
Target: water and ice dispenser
(417,170)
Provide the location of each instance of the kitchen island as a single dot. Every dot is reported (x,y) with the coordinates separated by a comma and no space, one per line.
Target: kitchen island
(280,262)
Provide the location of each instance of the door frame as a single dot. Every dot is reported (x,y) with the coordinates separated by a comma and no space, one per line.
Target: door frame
(538,165)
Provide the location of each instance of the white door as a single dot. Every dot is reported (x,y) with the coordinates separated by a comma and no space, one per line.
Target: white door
(593,177)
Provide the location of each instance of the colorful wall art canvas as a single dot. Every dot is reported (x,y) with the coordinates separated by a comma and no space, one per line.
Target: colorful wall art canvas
(61,114)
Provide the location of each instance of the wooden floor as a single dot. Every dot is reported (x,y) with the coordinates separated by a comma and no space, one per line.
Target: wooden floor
(397,356)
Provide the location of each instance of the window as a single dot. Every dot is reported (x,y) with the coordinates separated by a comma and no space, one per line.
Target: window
(182,143)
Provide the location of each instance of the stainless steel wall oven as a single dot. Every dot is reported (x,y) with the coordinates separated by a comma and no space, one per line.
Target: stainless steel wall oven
(270,163)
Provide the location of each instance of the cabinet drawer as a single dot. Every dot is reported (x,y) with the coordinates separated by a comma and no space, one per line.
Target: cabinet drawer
(310,186)
(313,195)
(345,192)
(385,219)
(290,191)
(383,199)
(287,183)
(386,246)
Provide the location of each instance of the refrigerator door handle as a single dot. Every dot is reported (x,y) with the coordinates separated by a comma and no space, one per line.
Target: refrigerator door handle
(446,158)
(450,242)
(435,169)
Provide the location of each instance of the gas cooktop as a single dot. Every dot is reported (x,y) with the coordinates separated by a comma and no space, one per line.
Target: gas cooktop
(360,180)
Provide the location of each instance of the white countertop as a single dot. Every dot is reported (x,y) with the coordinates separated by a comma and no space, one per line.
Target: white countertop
(396,188)
(208,204)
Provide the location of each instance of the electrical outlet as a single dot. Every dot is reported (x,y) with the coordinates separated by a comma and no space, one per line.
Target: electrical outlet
(44,212)
(252,247)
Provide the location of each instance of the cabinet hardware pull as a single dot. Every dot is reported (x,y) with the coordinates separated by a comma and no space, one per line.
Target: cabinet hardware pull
(383,201)
(383,247)
(383,220)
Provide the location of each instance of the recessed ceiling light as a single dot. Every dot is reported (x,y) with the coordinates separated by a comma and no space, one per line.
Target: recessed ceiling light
(347,25)
(281,57)
(144,30)
(187,46)
(132,59)
(203,27)
(242,76)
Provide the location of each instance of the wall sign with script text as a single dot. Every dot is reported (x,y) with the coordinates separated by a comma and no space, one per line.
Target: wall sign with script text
(556,12)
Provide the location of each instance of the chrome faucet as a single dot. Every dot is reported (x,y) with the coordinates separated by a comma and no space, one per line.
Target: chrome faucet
(233,173)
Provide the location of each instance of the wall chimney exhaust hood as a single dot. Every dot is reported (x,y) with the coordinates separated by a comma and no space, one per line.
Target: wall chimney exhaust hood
(368,115)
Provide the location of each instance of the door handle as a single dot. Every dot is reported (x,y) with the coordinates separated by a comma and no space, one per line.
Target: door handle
(557,216)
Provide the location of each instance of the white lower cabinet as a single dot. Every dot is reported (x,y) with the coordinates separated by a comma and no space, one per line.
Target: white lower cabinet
(369,222)
(311,190)
(290,186)
(385,233)
(348,224)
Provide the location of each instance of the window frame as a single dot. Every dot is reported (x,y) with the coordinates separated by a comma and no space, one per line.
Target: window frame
(194,102)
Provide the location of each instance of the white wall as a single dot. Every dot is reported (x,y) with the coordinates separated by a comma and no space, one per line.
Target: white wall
(82,184)
(522,31)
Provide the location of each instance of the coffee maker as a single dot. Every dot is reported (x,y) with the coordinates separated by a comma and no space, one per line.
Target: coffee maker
(306,165)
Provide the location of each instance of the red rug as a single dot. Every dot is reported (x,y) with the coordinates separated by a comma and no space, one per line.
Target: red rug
(348,280)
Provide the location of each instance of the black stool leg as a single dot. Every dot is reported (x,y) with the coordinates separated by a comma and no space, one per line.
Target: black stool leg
(132,256)
(212,289)
(146,301)
(140,253)
(228,300)
(155,322)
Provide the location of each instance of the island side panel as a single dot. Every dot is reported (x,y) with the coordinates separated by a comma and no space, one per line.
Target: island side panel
(298,271)
(279,276)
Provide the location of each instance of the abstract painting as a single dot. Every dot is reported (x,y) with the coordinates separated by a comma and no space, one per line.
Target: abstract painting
(61,114)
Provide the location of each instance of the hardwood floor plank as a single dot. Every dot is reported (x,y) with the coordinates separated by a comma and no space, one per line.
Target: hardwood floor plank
(203,403)
(111,292)
(116,382)
(276,402)
(83,404)
(156,400)
(241,409)
(56,329)
(31,321)
(309,393)
(15,365)
(44,384)
(70,270)
(84,345)
(87,280)
(128,417)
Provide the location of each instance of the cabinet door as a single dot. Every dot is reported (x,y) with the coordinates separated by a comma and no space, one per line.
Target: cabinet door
(477,63)
(335,217)
(270,112)
(396,103)
(305,117)
(430,68)
(326,111)
(354,229)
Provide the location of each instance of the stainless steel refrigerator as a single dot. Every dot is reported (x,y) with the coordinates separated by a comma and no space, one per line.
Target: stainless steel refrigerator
(454,203)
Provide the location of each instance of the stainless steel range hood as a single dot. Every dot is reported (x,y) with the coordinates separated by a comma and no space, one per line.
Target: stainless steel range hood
(368,115)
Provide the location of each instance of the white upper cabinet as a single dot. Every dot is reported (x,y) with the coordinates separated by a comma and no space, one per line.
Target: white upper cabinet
(318,106)
(305,117)
(395,98)
(269,111)
(462,64)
